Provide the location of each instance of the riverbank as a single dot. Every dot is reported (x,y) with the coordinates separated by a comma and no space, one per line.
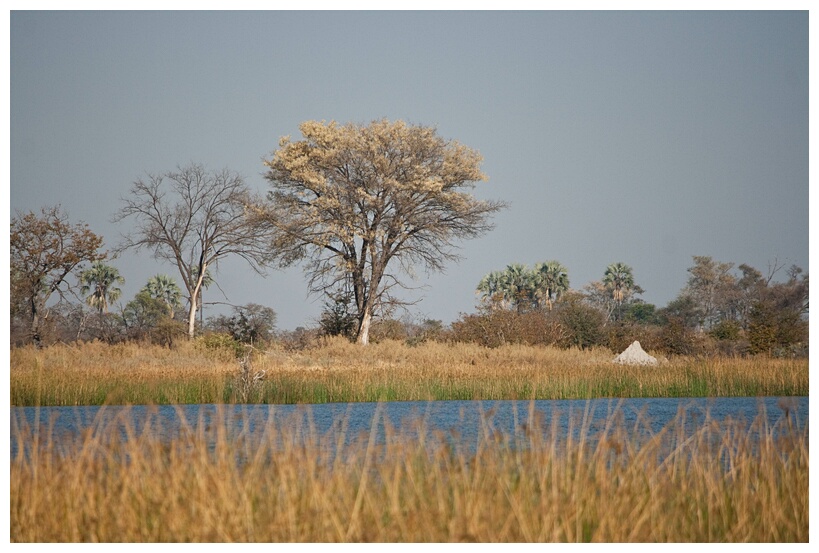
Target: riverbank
(338,371)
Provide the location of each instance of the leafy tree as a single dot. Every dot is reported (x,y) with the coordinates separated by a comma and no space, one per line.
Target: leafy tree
(751,287)
(582,323)
(523,288)
(99,283)
(143,314)
(777,320)
(518,286)
(641,312)
(45,250)
(336,318)
(552,281)
(249,324)
(682,310)
(712,288)
(596,295)
(491,288)
(192,218)
(165,289)
(618,279)
(366,205)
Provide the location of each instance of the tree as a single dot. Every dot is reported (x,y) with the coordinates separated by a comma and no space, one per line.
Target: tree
(552,281)
(249,324)
(142,315)
(336,318)
(518,286)
(618,279)
(45,250)
(165,289)
(206,282)
(712,287)
(582,323)
(192,218)
(365,205)
(523,288)
(491,288)
(101,280)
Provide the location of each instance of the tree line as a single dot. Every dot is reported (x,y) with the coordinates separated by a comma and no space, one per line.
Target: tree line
(721,309)
(363,209)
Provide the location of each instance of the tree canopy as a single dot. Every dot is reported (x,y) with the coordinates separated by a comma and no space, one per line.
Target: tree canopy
(366,205)
(45,249)
(192,218)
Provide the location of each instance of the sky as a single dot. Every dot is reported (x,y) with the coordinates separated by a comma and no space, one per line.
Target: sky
(624,136)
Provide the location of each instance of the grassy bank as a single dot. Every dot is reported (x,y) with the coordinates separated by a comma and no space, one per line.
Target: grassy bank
(207,484)
(338,371)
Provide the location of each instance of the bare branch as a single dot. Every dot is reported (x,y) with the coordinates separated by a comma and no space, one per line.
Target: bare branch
(192,218)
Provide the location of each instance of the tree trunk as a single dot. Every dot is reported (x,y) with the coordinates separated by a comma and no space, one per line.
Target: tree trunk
(197,290)
(364,328)
(35,327)
(192,320)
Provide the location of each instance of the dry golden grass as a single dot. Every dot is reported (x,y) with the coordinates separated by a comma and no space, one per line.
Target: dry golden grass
(339,371)
(719,484)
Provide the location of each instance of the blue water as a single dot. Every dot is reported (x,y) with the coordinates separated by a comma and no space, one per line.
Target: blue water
(465,422)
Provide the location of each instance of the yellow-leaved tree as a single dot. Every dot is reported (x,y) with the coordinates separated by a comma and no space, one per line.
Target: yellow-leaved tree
(365,205)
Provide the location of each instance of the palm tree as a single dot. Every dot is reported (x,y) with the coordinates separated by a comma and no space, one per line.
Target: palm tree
(491,286)
(164,288)
(518,286)
(552,281)
(619,281)
(101,280)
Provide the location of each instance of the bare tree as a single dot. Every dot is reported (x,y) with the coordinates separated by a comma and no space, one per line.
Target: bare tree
(45,250)
(366,204)
(192,218)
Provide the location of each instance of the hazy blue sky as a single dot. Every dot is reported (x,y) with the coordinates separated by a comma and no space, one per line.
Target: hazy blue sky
(640,137)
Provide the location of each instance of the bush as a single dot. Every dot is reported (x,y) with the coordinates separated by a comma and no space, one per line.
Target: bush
(620,335)
(300,339)
(166,331)
(388,329)
(675,338)
(222,345)
(337,318)
(582,325)
(497,327)
(726,329)
(772,330)
(249,324)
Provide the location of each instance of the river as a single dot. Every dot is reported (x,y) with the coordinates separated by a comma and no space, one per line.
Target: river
(466,422)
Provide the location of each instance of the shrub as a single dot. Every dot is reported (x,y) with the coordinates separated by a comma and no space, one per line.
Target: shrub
(388,329)
(676,338)
(726,329)
(222,345)
(620,335)
(582,325)
(496,327)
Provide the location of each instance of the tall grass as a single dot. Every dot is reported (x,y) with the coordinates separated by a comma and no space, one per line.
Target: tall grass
(719,483)
(338,371)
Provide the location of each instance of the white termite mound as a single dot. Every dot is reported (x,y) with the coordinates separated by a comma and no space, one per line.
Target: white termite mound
(634,355)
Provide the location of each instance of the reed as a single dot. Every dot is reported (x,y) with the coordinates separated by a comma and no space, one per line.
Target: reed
(338,371)
(286,483)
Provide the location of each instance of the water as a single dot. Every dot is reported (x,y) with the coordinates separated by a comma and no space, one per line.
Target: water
(464,422)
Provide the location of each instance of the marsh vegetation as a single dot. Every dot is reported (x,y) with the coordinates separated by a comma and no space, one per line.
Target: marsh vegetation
(698,480)
(339,371)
